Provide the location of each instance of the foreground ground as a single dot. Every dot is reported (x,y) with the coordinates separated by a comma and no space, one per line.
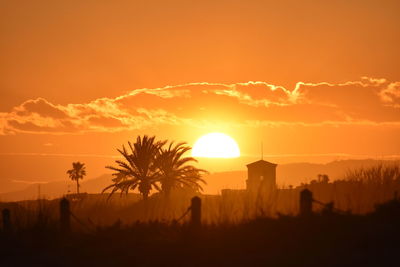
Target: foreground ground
(320,240)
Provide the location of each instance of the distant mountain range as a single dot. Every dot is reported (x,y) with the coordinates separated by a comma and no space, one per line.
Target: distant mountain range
(287,174)
(57,189)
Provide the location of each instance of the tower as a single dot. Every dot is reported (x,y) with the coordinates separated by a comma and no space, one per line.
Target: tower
(261,176)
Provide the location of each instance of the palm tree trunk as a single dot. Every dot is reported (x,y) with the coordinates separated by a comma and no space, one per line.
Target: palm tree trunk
(77,186)
(166,187)
(167,192)
(145,196)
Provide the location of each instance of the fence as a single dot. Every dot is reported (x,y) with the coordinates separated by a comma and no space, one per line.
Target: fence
(305,203)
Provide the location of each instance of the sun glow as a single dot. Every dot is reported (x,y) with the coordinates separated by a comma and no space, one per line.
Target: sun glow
(216,145)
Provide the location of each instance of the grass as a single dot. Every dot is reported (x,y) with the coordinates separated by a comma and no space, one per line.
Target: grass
(321,240)
(238,229)
(357,192)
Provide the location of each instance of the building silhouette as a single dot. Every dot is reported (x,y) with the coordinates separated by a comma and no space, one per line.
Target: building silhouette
(261,176)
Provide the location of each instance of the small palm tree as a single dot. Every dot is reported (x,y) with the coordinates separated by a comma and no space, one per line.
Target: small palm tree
(77,172)
(174,171)
(139,169)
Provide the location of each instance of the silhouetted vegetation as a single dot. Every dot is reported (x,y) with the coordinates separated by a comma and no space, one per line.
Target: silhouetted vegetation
(360,189)
(318,240)
(77,172)
(174,171)
(150,165)
(348,222)
(139,169)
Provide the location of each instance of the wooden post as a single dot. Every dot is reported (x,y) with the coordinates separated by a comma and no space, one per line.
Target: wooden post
(196,211)
(306,200)
(6,220)
(65,215)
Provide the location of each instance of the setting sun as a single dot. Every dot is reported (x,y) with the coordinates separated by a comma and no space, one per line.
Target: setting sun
(216,145)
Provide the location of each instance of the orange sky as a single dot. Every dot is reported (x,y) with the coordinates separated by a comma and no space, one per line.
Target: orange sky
(72,73)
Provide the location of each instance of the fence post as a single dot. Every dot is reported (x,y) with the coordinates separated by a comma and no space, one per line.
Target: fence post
(65,215)
(6,220)
(196,211)
(306,200)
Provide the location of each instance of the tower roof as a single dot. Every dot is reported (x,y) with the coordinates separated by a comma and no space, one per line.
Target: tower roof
(261,163)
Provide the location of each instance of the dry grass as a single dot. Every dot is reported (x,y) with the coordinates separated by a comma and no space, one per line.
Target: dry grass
(359,191)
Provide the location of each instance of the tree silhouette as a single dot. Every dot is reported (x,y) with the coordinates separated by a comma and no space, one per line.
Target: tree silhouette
(323,178)
(174,171)
(77,172)
(139,169)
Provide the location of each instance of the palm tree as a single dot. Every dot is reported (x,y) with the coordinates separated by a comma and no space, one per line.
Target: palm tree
(174,171)
(77,172)
(139,169)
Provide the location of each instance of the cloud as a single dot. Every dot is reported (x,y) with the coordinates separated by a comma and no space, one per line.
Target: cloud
(369,101)
(391,95)
(40,107)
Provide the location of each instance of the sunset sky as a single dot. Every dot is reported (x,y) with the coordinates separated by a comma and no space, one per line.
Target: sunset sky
(312,80)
